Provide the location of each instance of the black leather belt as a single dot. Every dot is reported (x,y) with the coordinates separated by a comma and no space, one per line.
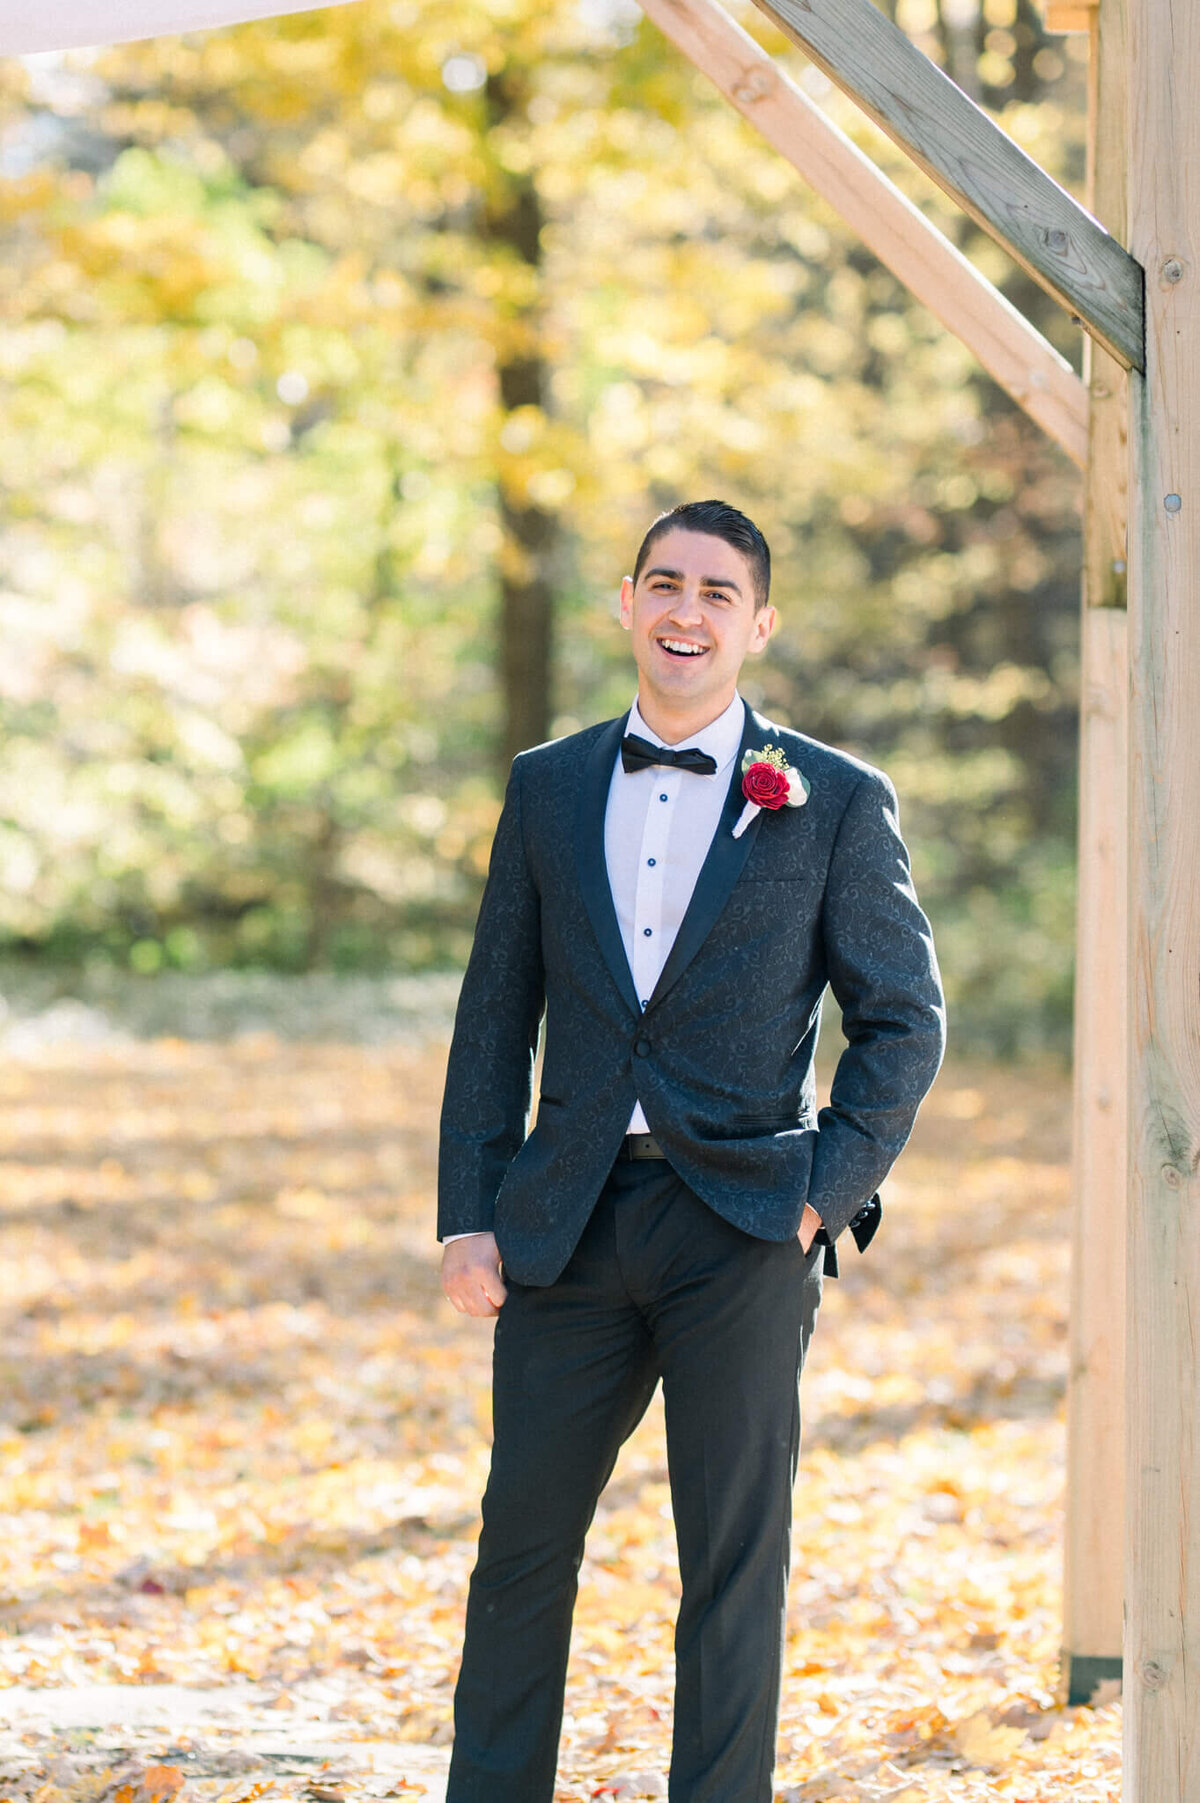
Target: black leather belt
(641,1145)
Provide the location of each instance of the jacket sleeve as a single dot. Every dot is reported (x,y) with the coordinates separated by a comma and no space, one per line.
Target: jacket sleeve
(883,973)
(489,1079)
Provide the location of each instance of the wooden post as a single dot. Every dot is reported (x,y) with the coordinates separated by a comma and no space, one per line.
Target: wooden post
(1162,1640)
(1095,1514)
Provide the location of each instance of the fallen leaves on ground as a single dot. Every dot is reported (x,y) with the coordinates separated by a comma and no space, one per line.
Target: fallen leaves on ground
(244,1439)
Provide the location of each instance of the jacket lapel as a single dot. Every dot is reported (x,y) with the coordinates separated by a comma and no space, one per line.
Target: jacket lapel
(589,851)
(721,868)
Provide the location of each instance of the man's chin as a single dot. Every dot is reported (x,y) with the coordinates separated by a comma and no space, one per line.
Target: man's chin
(676,676)
(671,660)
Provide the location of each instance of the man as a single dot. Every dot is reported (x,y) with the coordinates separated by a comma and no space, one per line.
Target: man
(674,890)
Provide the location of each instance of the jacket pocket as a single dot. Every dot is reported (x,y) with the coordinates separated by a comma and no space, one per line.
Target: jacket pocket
(774,1123)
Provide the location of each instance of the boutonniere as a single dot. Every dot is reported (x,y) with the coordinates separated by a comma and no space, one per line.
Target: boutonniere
(769,781)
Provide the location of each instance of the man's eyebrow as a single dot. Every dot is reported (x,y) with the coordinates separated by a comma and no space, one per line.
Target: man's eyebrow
(705,581)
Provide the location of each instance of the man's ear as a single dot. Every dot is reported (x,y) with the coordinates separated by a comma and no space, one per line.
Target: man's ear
(627,602)
(764,625)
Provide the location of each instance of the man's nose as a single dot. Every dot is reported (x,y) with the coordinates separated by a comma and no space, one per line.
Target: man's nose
(686,609)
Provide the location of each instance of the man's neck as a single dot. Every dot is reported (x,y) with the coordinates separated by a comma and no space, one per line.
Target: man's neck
(672,725)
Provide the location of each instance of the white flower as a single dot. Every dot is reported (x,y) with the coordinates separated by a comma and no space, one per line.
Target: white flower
(799,788)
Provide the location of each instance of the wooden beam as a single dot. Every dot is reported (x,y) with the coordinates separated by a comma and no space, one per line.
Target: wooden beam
(1106,493)
(1069,15)
(976,163)
(1010,349)
(1162,1636)
(1093,1587)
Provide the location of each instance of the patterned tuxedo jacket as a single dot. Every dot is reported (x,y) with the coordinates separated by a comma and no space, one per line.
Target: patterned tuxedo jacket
(721,1058)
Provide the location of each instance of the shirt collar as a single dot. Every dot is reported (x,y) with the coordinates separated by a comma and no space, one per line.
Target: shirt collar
(720,738)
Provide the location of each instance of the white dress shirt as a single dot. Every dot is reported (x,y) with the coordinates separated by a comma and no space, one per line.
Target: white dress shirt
(658,826)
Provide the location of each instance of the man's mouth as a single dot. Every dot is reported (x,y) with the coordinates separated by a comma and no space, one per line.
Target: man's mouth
(682,648)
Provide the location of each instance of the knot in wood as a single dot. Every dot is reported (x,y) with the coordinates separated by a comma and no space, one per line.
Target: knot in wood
(754,85)
(1152,1674)
(1057,239)
(1172,270)
(1172,1176)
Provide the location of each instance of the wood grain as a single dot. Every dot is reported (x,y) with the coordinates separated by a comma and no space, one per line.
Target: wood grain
(977,164)
(1010,349)
(1093,1590)
(1162,1643)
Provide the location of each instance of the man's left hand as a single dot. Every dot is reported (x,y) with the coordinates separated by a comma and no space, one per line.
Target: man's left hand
(810,1226)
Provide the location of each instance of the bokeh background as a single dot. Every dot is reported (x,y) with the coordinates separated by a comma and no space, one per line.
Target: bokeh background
(343,360)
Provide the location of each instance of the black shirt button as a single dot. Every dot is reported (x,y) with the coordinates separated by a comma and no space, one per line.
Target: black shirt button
(641,1048)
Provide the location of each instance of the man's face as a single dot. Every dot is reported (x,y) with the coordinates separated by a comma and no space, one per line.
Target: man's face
(693,621)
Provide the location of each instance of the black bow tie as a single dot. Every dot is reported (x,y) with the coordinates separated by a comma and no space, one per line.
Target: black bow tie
(639,754)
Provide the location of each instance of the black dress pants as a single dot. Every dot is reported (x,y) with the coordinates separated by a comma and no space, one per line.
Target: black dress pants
(659,1286)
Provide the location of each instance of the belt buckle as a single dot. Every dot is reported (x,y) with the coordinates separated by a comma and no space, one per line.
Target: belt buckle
(642,1145)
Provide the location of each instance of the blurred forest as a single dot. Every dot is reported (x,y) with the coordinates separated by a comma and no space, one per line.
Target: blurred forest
(344,359)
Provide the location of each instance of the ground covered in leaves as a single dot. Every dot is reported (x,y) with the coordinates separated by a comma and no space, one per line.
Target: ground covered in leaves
(243,1439)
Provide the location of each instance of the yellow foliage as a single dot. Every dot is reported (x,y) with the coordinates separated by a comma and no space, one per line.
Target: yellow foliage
(267,1438)
(984,1742)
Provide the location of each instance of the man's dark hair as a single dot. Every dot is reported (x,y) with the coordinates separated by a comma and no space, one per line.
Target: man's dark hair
(718,520)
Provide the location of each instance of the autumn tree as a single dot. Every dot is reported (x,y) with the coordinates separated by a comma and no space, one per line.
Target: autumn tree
(347,356)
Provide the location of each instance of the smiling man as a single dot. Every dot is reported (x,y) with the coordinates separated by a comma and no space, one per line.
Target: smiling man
(671,893)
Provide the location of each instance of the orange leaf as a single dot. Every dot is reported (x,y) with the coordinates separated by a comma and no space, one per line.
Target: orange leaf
(160,1782)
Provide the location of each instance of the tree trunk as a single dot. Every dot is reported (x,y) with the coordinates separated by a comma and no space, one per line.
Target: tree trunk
(532,537)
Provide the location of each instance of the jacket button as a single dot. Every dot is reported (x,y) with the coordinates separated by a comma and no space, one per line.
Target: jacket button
(641,1048)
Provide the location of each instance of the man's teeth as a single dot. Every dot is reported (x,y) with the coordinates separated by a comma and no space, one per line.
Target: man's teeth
(679,646)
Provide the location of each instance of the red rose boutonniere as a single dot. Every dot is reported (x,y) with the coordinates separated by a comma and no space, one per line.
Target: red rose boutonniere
(769,781)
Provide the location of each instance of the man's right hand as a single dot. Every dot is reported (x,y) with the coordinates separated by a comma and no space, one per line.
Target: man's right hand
(471,1274)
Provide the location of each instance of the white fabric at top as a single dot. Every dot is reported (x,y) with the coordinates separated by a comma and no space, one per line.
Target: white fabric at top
(26,26)
(658,827)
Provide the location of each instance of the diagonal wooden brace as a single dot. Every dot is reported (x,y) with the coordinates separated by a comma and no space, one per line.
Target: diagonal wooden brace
(977,165)
(1010,349)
